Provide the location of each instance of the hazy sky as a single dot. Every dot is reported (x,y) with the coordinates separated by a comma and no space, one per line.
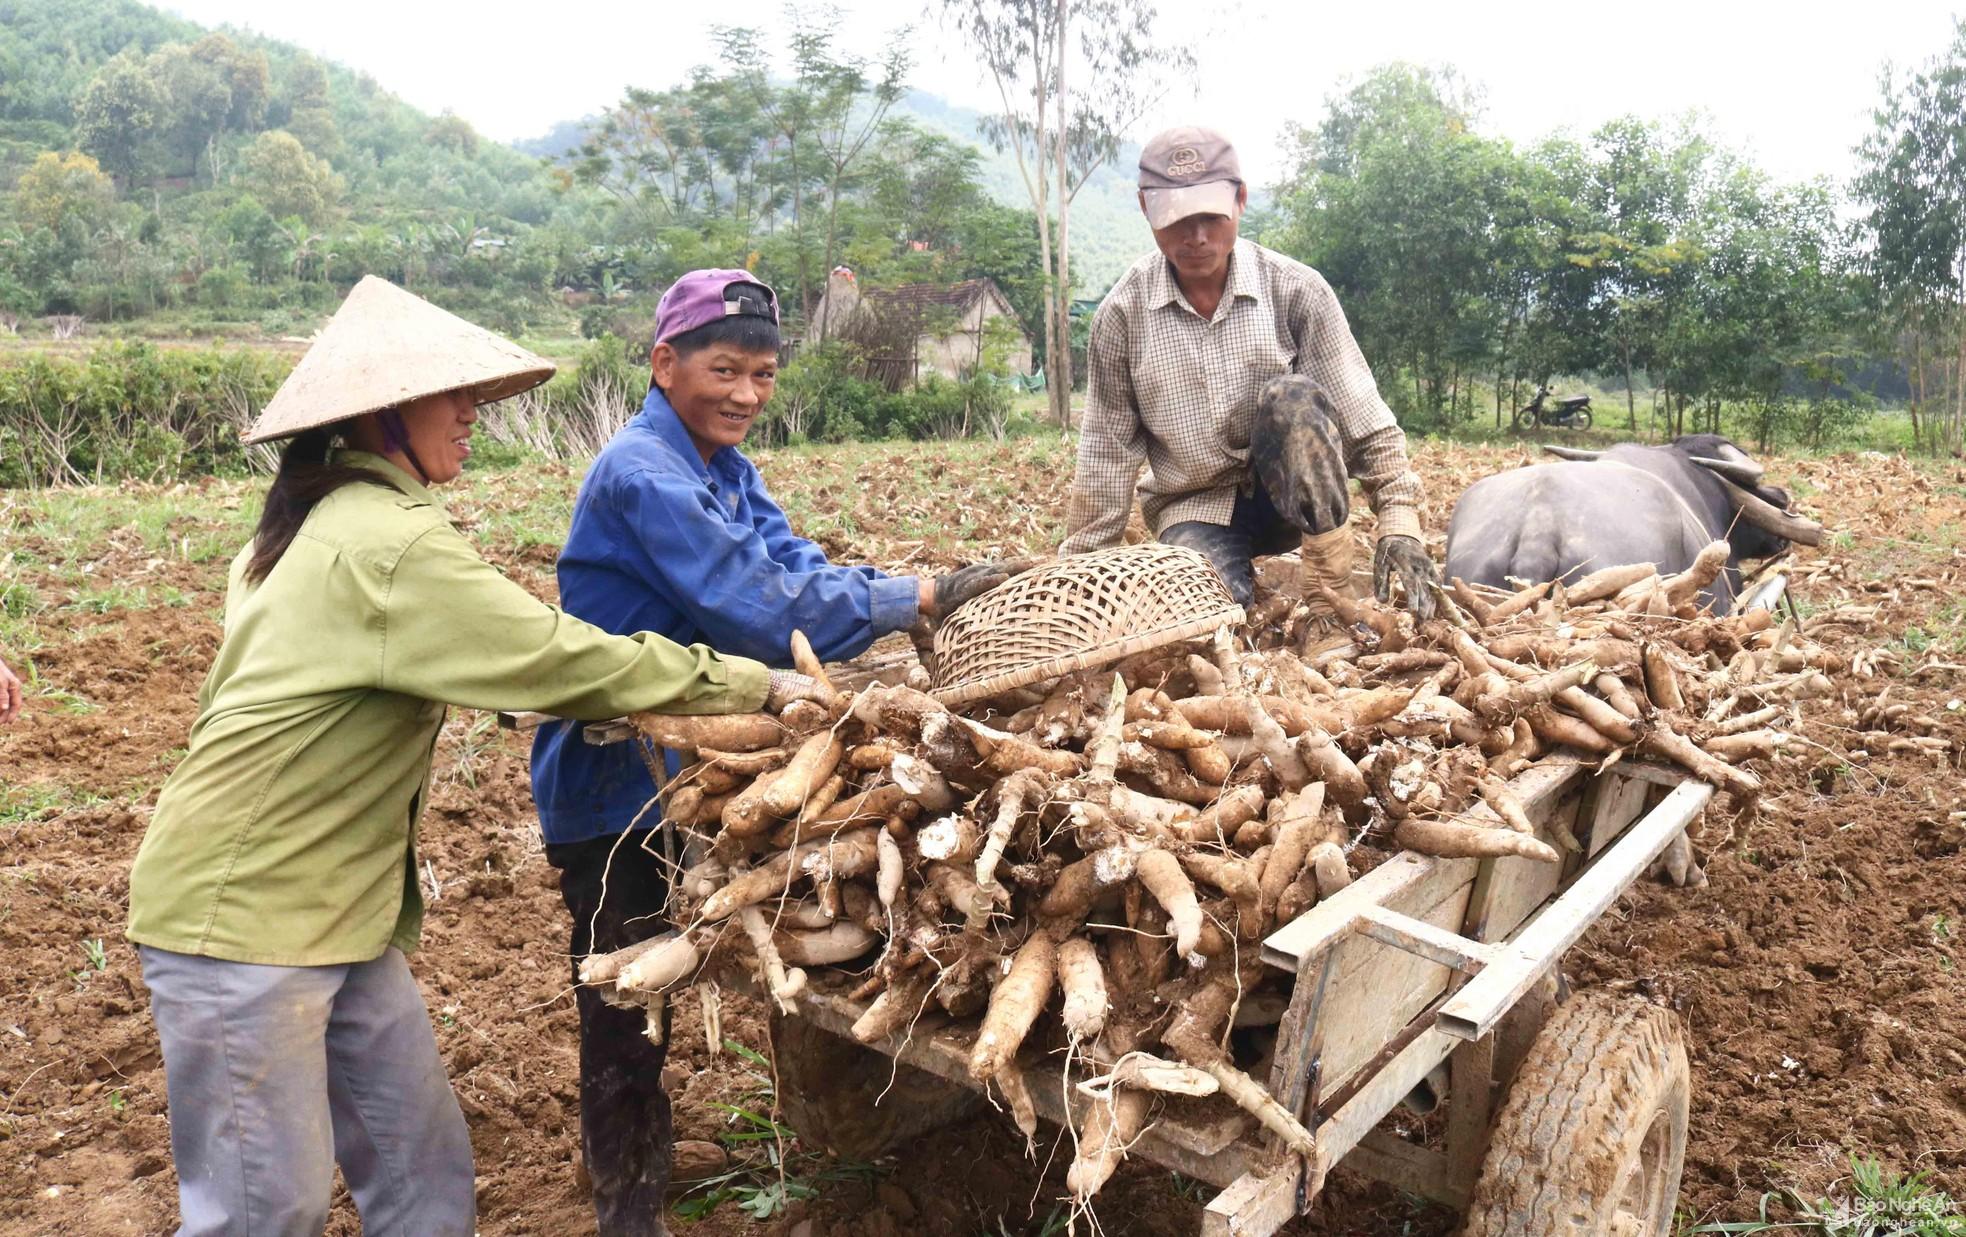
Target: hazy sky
(1792,83)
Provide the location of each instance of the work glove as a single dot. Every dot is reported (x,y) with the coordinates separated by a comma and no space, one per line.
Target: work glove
(965,583)
(1416,573)
(785,686)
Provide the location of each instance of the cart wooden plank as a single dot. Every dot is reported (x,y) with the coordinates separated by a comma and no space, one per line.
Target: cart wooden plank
(1370,984)
(1255,1205)
(1620,800)
(1385,1156)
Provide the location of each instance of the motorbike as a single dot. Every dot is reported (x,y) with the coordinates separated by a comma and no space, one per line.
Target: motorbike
(1572,412)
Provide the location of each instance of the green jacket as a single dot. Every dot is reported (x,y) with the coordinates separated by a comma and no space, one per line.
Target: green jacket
(288,834)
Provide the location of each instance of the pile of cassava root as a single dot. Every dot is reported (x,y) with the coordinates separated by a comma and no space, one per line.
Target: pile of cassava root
(1112,846)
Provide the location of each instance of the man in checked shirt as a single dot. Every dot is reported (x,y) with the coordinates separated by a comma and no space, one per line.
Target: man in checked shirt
(1230,371)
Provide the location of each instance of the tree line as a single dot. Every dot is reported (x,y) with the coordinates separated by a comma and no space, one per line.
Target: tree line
(156,169)
(218,176)
(1645,253)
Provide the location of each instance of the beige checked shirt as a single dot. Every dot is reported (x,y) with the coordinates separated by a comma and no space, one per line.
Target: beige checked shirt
(1171,390)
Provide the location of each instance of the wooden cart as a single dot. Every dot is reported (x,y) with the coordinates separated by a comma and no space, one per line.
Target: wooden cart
(1424,968)
(1424,976)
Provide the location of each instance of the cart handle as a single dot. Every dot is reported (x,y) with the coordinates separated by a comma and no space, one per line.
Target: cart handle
(1473,1011)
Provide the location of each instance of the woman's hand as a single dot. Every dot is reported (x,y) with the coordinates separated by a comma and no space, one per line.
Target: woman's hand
(10,695)
(789,685)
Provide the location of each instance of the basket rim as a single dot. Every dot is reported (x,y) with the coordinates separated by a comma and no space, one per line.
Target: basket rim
(958,694)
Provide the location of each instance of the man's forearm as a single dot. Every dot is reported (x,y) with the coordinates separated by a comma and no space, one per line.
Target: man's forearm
(1399,520)
(1388,479)
(1094,521)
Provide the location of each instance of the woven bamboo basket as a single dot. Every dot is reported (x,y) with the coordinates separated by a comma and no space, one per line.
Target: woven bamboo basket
(1077,614)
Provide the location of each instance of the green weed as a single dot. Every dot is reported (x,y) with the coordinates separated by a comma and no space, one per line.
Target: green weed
(109,597)
(1879,1203)
(470,733)
(20,601)
(1191,1190)
(21,608)
(1914,640)
(766,1177)
(60,697)
(1057,1220)
(22,803)
(98,958)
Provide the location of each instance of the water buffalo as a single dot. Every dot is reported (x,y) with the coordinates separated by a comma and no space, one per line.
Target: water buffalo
(1628,504)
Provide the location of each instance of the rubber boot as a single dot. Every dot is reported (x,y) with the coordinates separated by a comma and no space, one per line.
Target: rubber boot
(1327,563)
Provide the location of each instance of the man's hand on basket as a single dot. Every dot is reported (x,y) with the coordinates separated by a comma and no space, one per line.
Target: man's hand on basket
(785,686)
(966,583)
(1416,573)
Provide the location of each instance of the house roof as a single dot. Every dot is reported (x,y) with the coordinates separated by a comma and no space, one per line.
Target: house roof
(915,302)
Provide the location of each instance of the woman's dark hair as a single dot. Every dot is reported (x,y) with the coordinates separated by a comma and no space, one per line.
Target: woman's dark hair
(305,478)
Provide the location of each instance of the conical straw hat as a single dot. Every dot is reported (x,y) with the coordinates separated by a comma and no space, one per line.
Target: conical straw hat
(385,347)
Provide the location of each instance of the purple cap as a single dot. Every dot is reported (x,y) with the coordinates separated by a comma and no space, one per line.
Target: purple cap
(701,297)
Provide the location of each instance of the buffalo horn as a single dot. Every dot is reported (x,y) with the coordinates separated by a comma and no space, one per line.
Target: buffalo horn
(1767,517)
(1740,472)
(1571,453)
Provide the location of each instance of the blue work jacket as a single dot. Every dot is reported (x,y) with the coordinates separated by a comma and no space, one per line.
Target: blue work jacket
(662,543)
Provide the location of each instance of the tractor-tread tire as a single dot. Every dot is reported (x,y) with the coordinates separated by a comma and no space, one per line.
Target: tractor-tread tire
(1607,1077)
(837,1095)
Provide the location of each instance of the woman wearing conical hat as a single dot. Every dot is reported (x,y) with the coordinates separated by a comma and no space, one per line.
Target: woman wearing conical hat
(276,892)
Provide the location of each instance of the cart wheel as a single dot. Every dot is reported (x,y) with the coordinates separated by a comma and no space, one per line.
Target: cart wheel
(853,1101)
(1593,1136)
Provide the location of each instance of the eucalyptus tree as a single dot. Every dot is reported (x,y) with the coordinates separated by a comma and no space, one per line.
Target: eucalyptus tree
(1072,77)
(826,114)
(1642,189)
(1912,186)
(1554,296)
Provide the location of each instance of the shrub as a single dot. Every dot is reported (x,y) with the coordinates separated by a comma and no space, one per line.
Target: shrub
(131,410)
(573,416)
(822,397)
(1825,422)
(223,286)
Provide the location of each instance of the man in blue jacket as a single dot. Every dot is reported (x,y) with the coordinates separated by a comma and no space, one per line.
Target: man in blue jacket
(673,532)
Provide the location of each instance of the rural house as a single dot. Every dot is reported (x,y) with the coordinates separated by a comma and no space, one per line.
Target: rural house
(919,328)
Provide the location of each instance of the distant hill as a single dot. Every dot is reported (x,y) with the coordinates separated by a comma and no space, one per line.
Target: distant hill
(1107,231)
(562,139)
(386,150)
(229,178)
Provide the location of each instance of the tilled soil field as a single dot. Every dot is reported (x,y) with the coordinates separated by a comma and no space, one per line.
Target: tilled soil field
(1816,972)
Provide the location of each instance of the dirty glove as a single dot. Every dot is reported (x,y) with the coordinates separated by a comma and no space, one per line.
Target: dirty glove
(966,582)
(1416,573)
(785,686)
